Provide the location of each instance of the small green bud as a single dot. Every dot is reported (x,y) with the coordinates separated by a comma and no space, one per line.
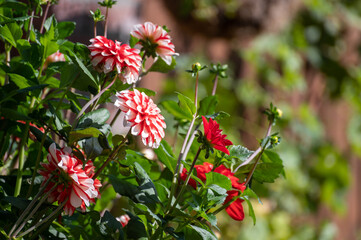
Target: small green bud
(279,111)
(196,67)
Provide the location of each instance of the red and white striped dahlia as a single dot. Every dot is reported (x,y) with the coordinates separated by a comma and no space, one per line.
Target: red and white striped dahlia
(154,40)
(69,181)
(107,56)
(142,115)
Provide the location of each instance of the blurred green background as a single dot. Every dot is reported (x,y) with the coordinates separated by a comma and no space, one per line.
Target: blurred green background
(304,56)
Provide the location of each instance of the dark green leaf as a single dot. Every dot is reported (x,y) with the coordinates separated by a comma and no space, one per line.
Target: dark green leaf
(77,135)
(195,233)
(65,29)
(97,117)
(165,155)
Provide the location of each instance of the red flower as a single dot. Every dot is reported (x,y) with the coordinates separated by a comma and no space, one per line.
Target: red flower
(235,209)
(201,173)
(154,40)
(108,56)
(214,136)
(142,115)
(74,183)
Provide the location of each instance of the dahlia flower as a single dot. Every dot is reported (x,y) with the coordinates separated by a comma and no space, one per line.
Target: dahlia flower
(155,41)
(214,135)
(142,115)
(73,182)
(235,209)
(55,57)
(107,56)
(123,219)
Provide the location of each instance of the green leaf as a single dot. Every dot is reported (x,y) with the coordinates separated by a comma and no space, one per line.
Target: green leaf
(97,117)
(67,75)
(145,209)
(195,233)
(161,66)
(148,92)
(186,104)
(110,226)
(76,60)
(65,29)
(250,209)
(208,105)
(132,41)
(145,183)
(135,193)
(77,135)
(13,114)
(173,108)
(240,152)
(11,32)
(218,115)
(165,155)
(267,172)
(39,136)
(20,81)
(218,179)
(135,228)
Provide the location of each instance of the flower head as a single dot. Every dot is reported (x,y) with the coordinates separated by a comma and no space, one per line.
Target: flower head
(70,182)
(235,209)
(155,41)
(108,56)
(142,115)
(123,219)
(214,135)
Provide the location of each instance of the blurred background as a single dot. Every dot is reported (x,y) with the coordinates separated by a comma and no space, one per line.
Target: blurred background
(302,55)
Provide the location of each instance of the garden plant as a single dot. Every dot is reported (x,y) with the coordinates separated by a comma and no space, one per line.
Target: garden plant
(62,154)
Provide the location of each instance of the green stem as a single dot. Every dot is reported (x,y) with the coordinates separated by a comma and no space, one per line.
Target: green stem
(57,210)
(92,100)
(19,177)
(115,117)
(106,23)
(45,15)
(29,206)
(187,179)
(34,210)
(156,234)
(110,158)
(215,85)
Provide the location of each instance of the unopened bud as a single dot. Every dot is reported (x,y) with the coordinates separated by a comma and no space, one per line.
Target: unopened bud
(196,67)
(279,111)
(274,139)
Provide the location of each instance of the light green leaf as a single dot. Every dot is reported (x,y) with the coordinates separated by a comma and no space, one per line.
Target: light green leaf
(218,179)
(173,108)
(161,66)
(208,105)
(186,104)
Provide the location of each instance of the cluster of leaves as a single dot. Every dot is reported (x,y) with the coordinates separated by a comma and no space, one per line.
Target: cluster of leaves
(36,94)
